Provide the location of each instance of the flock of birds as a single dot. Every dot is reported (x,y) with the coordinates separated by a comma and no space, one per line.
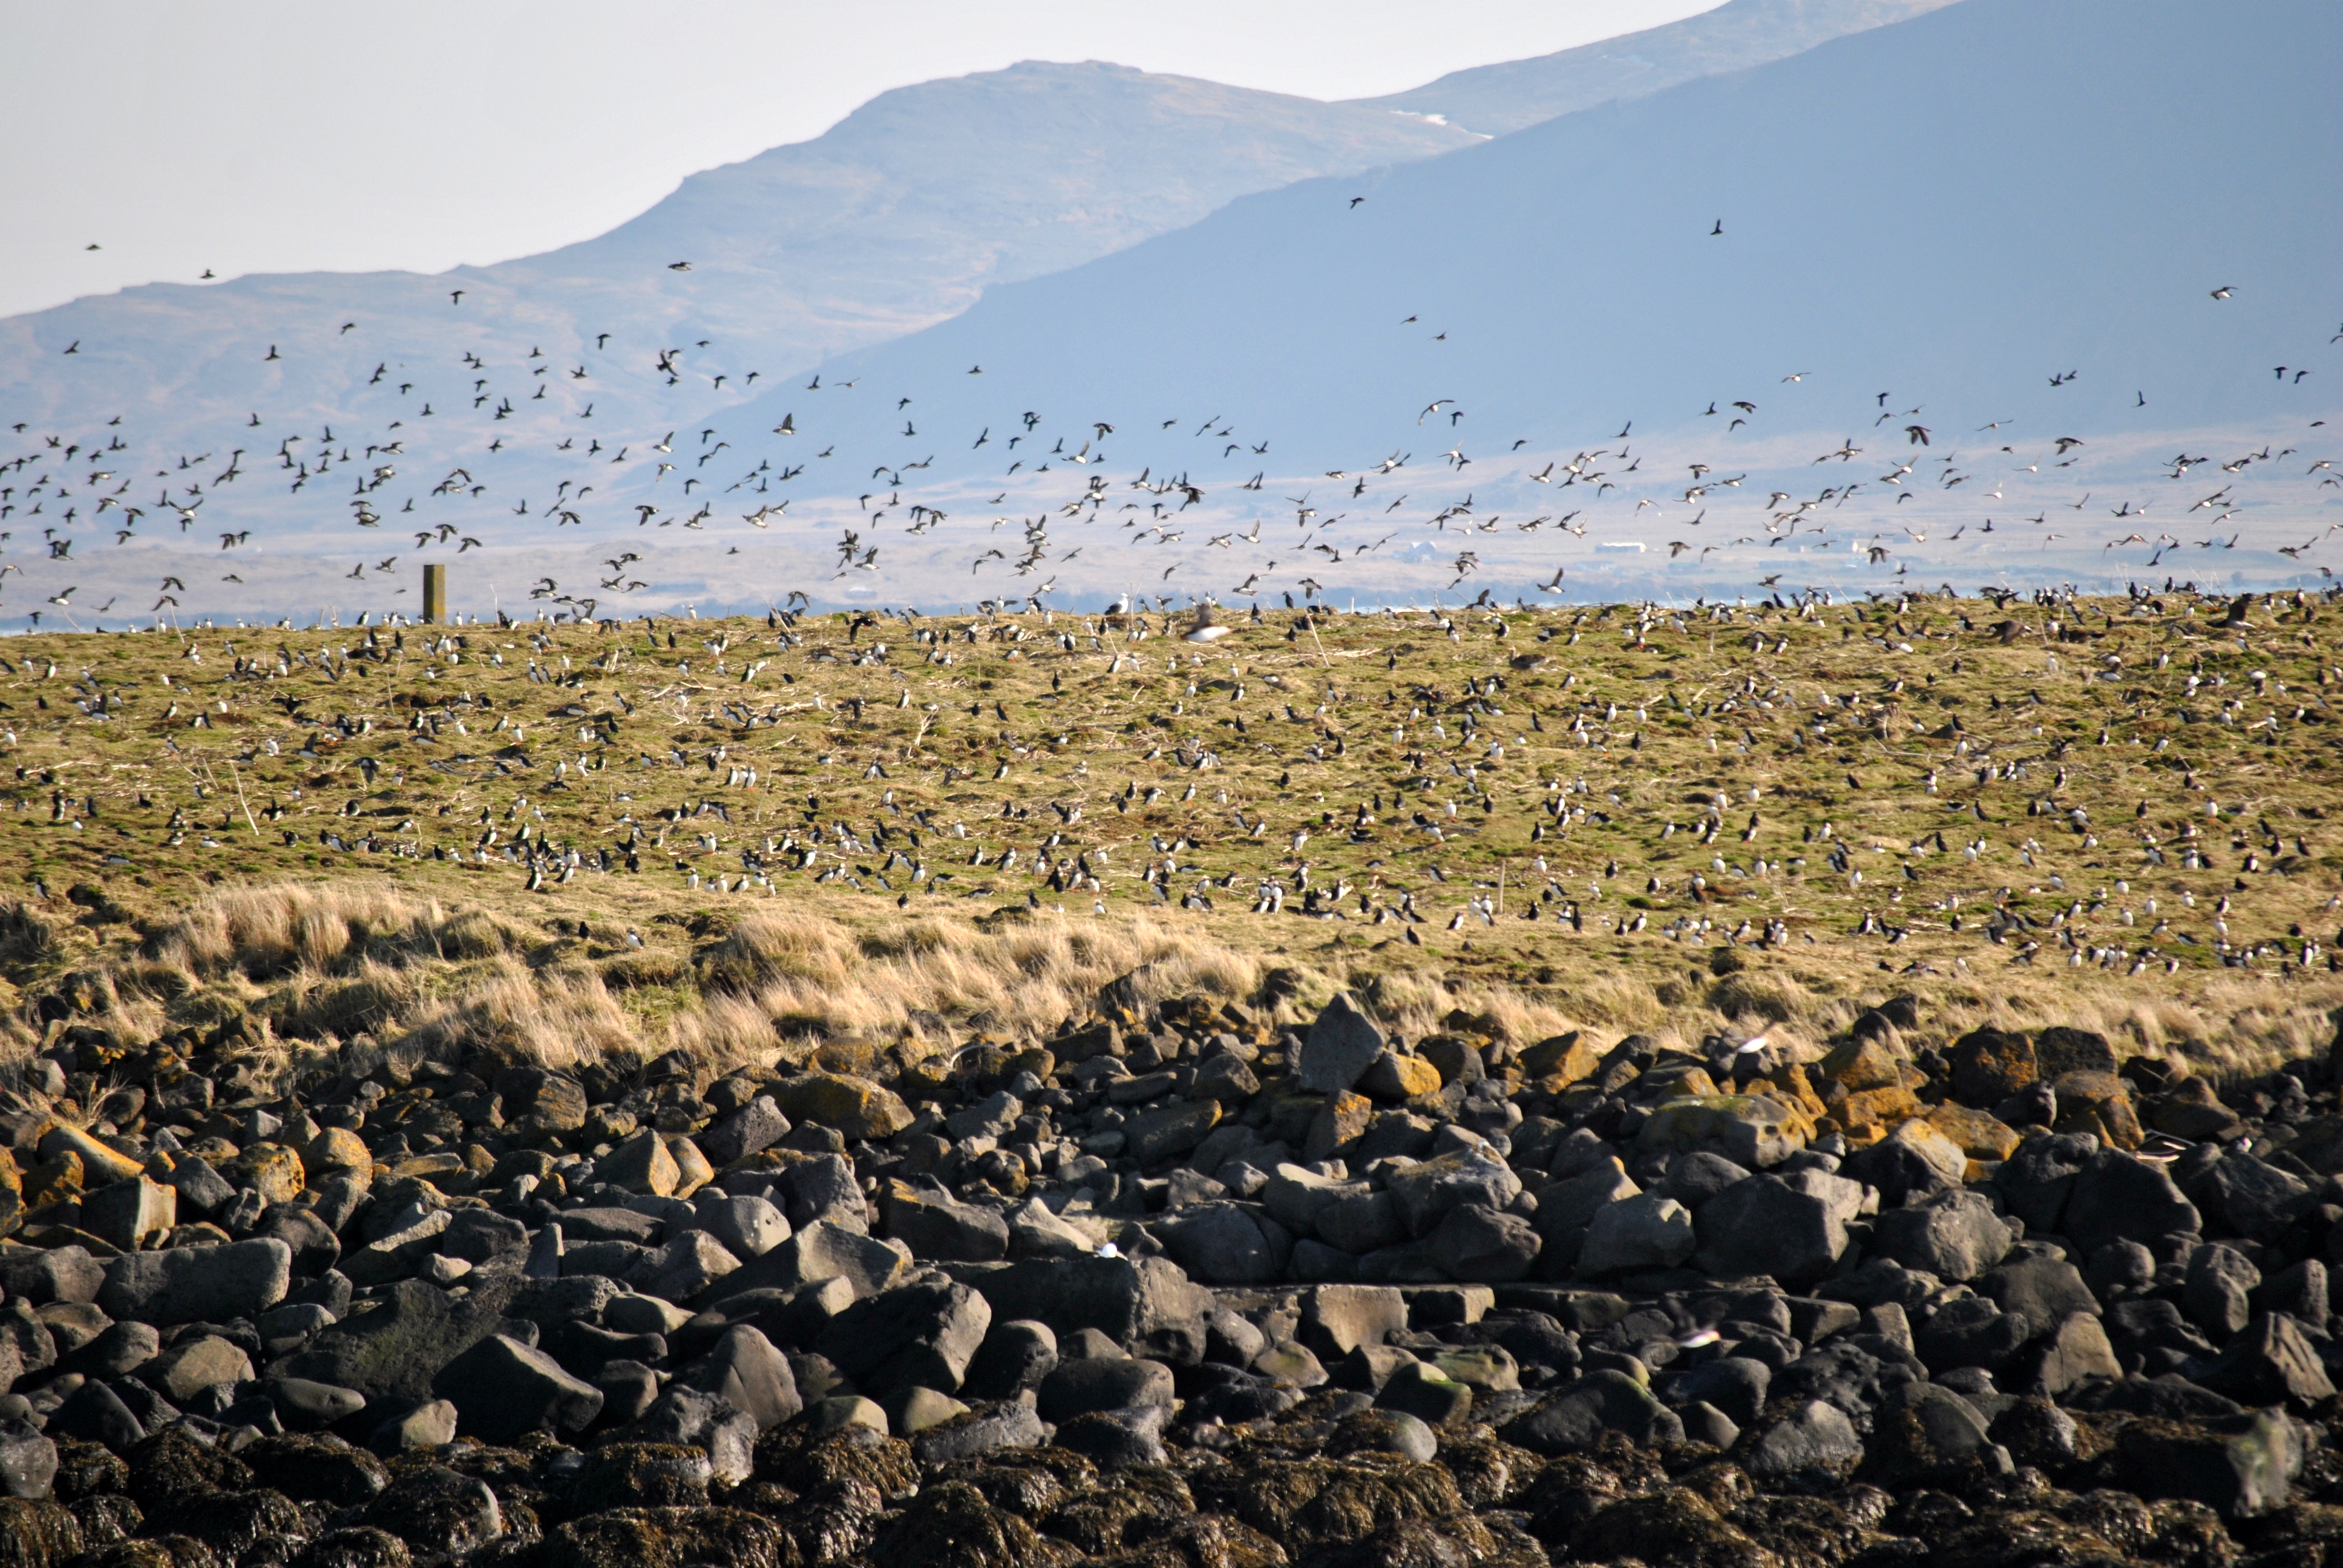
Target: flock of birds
(424,453)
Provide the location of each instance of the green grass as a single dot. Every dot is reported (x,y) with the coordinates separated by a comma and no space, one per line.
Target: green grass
(1538,764)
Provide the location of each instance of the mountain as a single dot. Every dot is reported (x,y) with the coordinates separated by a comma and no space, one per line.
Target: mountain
(895,219)
(1740,34)
(1920,254)
(1929,225)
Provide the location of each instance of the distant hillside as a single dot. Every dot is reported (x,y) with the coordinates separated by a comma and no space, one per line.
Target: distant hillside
(895,219)
(1498,98)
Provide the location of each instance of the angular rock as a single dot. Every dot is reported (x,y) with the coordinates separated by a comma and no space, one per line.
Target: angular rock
(1914,1159)
(1812,1446)
(819,1252)
(855,1108)
(1926,1436)
(537,1101)
(1954,1235)
(921,1335)
(1792,1228)
(1166,1130)
(1635,1236)
(684,1268)
(39,1276)
(1126,1299)
(746,1227)
(2119,1197)
(2271,1362)
(130,1215)
(502,1388)
(2240,1466)
(1343,1043)
(188,1284)
(397,1255)
(2044,1291)
(1428,1190)
(746,1369)
(1989,1066)
(2038,1178)
(1734,1386)
(1361,1221)
(399,1344)
(1220,1244)
(2243,1195)
(1566,1208)
(1753,1131)
(1010,1424)
(754,1126)
(2217,1294)
(1079,1387)
(1483,1245)
(1576,1418)
(934,1225)
(195,1363)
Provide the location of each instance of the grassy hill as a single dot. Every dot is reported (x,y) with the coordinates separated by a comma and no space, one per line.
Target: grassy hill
(723,836)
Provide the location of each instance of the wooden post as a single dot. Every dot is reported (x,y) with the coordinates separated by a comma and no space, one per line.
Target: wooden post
(434,594)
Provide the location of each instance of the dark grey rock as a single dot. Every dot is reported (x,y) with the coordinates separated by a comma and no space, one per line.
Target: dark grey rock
(1695,1177)
(1637,1235)
(402,1340)
(1793,1228)
(1566,1208)
(39,1276)
(190,1284)
(1954,1235)
(503,1388)
(2241,1194)
(1220,1244)
(1123,1297)
(1426,1191)
(1972,1332)
(2043,1290)
(2217,1294)
(919,1335)
(1482,1246)
(1114,1438)
(746,1369)
(1576,1417)
(1735,1385)
(1015,1355)
(937,1225)
(1358,1222)
(2119,1197)
(1343,1042)
(482,1236)
(1811,1446)
(1010,1424)
(2271,1362)
(96,1413)
(754,1126)
(1925,1435)
(2038,1176)
(1079,1387)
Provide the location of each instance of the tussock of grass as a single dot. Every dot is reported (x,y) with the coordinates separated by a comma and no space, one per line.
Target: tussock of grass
(326,966)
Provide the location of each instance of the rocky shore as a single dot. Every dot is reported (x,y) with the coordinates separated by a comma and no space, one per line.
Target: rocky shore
(1178,1287)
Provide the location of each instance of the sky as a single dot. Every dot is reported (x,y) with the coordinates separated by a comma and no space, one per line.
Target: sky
(261,135)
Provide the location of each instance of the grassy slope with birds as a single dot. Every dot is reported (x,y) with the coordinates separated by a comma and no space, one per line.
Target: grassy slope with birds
(2105,813)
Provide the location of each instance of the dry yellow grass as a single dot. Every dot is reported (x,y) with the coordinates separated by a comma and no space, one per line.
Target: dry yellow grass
(325,964)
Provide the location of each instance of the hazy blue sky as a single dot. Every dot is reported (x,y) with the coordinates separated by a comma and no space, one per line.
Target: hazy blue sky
(264,135)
